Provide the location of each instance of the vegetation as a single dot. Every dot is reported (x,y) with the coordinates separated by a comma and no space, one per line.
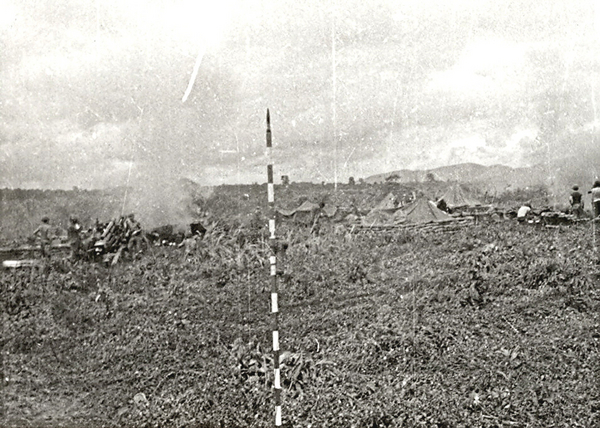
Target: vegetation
(21,210)
(490,326)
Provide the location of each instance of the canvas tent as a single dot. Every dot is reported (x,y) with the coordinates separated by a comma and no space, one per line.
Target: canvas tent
(455,197)
(378,217)
(388,203)
(307,207)
(383,212)
(305,213)
(420,211)
(285,213)
(338,214)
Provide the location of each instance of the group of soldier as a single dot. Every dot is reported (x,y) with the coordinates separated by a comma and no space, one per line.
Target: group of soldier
(577,204)
(45,233)
(575,201)
(110,236)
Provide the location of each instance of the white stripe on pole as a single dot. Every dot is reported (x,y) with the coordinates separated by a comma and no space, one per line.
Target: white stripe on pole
(270,192)
(275,340)
(272,228)
(278,415)
(274,303)
(277,378)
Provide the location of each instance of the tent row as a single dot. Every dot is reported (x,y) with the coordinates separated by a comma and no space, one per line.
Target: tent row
(389,210)
(421,210)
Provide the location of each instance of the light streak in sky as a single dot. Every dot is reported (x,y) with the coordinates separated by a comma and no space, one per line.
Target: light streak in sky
(213,23)
(194,74)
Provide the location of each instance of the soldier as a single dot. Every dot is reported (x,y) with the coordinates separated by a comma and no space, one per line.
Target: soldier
(596,198)
(524,213)
(191,246)
(442,205)
(44,232)
(74,236)
(576,202)
(131,224)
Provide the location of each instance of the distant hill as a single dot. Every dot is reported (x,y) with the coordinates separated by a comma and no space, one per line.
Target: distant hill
(491,178)
(557,177)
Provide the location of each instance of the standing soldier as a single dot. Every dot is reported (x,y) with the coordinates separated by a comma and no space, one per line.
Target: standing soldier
(131,223)
(576,200)
(74,237)
(596,198)
(44,233)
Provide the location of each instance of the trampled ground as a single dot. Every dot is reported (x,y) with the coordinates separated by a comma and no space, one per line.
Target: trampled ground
(490,326)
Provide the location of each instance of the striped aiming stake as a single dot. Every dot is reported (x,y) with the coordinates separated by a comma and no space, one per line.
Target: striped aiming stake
(273,262)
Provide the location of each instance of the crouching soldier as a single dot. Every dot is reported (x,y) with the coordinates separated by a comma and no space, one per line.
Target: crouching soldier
(524,213)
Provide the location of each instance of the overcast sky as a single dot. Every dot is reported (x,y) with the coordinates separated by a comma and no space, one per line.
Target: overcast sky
(92,91)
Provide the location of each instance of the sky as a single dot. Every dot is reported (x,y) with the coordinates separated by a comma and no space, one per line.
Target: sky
(104,93)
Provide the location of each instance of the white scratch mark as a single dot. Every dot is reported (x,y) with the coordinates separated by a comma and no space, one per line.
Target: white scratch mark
(194,74)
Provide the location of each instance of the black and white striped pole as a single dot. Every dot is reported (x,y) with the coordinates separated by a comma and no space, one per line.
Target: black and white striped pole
(273,263)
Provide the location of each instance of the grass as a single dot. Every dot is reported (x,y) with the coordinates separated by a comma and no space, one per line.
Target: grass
(490,326)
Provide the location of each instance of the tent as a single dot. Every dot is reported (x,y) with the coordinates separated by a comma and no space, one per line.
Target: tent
(341,213)
(383,212)
(388,203)
(455,197)
(351,218)
(306,212)
(307,207)
(378,217)
(420,211)
(286,213)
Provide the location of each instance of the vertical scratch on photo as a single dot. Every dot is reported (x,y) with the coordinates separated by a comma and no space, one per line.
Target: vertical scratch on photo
(334,94)
(594,129)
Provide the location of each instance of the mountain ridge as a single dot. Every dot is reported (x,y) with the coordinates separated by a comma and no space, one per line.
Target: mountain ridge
(493,177)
